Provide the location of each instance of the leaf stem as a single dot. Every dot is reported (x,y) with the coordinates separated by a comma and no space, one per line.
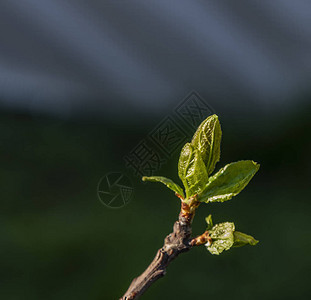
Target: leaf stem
(204,238)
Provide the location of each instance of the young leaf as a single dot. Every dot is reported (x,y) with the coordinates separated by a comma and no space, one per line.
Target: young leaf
(207,140)
(242,239)
(209,222)
(192,171)
(228,181)
(222,236)
(184,159)
(168,182)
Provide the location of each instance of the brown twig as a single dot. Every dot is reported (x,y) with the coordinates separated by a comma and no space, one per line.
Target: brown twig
(177,242)
(201,239)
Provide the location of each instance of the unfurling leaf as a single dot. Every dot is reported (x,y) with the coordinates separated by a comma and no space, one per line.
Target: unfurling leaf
(168,182)
(192,171)
(228,181)
(242,239)
(207,140)
(209,222)
(222,236)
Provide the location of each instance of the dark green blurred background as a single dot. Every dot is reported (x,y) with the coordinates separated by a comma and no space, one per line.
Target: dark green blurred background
(83,82)
(59,242)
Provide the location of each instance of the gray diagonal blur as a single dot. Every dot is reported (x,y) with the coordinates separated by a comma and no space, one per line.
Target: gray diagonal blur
(75,56)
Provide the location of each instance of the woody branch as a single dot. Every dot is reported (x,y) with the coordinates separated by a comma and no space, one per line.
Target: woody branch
(177,242)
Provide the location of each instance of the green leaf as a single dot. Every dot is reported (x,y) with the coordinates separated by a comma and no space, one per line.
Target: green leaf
(228,181)
(207,140)
(242,239)
(168,182)
(184,159)
(209,222)
(192,171)
(222,236)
